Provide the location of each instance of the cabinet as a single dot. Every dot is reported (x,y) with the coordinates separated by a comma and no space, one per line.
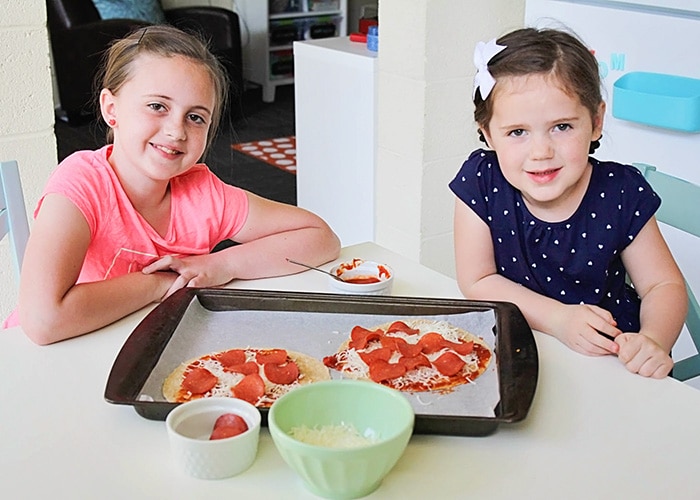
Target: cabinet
(269,28)
(335,120)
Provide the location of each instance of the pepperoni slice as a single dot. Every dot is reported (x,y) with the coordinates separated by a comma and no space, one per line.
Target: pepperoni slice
(397,344)
(381,370)
(284,373)
(431,342)
(411,363)
(276,356)
(360,337)
(357,333)
(400,326)
(245,368)
(199,380)
(231,357)
(462,347)
(250,389)
(449,364)
(228,425)
(383,353)
(408,350)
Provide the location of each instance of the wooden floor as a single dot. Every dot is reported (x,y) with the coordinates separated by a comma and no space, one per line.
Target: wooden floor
(259,121)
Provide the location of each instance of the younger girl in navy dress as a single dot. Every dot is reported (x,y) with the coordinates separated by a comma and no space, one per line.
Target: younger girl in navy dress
(541,224)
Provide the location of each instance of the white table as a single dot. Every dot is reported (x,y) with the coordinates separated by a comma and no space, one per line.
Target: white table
(594,430)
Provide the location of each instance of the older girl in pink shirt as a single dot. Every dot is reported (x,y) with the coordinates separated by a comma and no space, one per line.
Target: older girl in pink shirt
(127,225)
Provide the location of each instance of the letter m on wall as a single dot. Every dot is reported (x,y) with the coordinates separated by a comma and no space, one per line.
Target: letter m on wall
(617,62)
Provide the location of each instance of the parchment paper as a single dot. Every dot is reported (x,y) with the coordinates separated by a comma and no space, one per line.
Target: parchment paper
(317,334)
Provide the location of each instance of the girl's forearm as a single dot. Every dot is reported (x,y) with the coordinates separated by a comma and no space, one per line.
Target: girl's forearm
(89,306)
(663,313)
(268,256)
(539,311)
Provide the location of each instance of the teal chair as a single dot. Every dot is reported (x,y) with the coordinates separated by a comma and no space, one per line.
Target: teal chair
(13,214)
(679,208)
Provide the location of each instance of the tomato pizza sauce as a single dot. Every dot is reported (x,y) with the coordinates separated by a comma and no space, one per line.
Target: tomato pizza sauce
(382,273)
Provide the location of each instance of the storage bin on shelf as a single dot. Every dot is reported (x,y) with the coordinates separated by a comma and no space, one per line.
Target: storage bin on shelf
(283,32)
(286,31)
(281,6)
(323,5)
(286,6)
(659,100)
(281,64)
(323,27)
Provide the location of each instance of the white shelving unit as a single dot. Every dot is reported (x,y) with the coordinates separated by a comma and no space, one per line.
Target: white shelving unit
(269,30)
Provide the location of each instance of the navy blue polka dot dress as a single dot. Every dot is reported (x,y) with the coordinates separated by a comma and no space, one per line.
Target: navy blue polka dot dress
(576,260)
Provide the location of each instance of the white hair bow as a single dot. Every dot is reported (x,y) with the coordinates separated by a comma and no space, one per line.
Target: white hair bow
(483,80)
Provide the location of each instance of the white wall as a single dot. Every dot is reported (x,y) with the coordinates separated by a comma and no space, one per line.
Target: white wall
(26,113)
(425,116)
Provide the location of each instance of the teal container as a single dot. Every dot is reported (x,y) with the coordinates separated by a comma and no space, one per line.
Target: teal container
(659,100)
(342,473)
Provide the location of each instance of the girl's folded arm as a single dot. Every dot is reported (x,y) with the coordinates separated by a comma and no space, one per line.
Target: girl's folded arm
(51,306)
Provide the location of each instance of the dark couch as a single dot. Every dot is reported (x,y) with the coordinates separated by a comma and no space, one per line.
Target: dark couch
(79,37)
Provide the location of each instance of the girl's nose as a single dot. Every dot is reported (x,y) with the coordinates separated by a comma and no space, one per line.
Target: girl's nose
(175,128)
(541,148)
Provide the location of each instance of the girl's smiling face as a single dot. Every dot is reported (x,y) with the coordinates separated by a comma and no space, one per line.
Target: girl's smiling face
(162,114)
(541,135)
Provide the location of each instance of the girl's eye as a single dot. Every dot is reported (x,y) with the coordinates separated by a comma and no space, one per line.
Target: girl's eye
(156,106)
(196,118)
(518,132)
(563,126)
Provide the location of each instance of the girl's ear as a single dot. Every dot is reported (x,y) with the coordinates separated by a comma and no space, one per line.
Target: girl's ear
(107,106)
(484,136)
(598,122)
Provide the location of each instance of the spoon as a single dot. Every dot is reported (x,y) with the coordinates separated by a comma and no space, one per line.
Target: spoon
(316,269)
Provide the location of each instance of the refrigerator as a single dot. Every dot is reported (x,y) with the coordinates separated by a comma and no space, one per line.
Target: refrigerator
(631,38)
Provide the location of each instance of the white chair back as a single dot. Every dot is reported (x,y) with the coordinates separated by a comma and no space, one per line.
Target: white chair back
(13,213)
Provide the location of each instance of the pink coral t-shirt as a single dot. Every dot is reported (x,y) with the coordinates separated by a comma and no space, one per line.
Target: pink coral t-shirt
(204,211)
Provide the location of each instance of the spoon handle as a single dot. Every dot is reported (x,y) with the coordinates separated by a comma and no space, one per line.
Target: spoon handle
(314,269)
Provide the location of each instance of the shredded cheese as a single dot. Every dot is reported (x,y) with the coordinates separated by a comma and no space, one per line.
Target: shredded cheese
(333,436)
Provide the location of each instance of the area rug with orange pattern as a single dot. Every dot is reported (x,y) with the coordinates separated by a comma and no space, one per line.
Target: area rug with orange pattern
(279,152)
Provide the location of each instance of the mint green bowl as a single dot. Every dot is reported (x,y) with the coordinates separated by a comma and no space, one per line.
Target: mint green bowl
(342,473)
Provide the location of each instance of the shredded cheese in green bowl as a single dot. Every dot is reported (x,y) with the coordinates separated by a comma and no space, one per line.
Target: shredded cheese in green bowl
(333,436)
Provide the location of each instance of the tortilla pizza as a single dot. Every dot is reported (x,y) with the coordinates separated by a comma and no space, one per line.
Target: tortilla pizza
(416,355)
(257,375)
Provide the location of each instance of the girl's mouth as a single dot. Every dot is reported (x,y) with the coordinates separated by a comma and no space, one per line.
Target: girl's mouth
(166,149)
(544,176)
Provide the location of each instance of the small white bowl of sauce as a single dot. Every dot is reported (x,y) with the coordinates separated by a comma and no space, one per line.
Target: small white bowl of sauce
(362,277)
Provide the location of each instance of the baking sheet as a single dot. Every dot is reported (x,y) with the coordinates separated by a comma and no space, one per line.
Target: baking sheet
(194,321)
(317,334)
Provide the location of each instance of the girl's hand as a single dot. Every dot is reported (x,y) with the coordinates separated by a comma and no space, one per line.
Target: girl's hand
(194,271)
(640,354)
(579,326)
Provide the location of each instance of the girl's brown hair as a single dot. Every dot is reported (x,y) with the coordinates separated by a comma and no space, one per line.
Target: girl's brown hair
(164,41)
(545,51)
